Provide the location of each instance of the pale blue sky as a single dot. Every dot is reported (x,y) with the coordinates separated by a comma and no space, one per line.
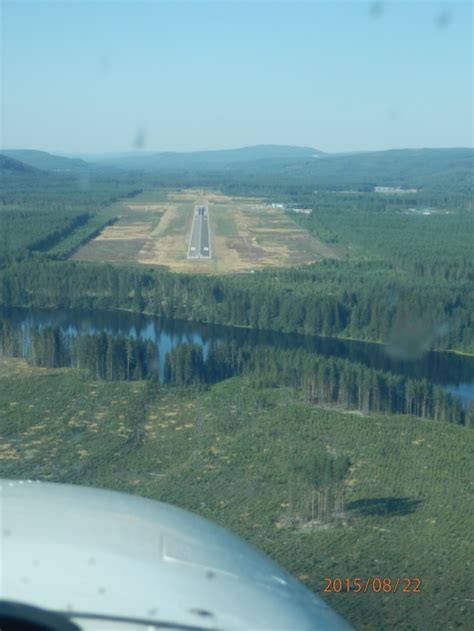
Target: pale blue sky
(116,75)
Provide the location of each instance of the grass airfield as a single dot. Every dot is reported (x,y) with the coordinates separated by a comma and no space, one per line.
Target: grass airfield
(231,453)
(246,234)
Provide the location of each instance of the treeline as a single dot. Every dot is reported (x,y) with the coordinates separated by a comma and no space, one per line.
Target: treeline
(365,300)
(323,380)
(103,356)
(58,233)
(81,235)
(316,490)
(185,365)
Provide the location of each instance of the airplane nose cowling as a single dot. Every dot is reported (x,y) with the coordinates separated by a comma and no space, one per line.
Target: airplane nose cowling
(76,549)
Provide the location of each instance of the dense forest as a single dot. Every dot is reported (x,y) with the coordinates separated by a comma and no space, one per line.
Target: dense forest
(423,235)
(366,300)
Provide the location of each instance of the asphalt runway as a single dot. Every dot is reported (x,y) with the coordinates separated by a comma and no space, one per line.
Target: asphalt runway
(200,241)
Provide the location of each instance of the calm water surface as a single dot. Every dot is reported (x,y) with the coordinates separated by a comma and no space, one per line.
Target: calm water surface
(452,371)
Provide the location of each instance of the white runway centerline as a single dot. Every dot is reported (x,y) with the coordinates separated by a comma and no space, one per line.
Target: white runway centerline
(200,239)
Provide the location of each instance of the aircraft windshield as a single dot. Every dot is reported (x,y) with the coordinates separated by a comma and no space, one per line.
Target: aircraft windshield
(236,313)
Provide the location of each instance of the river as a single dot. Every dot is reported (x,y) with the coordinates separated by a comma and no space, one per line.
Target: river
(452,371)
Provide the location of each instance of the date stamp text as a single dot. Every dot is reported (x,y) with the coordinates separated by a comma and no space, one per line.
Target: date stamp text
(374,584)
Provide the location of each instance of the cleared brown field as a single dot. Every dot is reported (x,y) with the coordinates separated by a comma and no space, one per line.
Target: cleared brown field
(246,234)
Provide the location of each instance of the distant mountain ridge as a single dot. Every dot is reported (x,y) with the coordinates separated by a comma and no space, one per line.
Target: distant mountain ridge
(44,160)
(448,169)
(218,158)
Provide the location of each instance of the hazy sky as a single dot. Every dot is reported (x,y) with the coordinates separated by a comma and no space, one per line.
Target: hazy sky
(116,75)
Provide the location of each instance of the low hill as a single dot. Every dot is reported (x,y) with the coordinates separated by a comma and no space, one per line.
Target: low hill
(45,161)
(11,166)
(396,167)
(441,170)
(434,169)
(431,169)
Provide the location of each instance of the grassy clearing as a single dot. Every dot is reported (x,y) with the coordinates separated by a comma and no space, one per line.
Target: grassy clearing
(223,223)
(112,223)
(178,223)
(231,453)
(134,222)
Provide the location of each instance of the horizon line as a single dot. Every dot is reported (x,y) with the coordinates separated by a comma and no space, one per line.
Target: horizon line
(144,152)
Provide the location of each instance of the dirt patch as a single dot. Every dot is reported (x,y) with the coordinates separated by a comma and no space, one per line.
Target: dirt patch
(110,250)
(119,232)
(14,367)
(245,247)
(144,207)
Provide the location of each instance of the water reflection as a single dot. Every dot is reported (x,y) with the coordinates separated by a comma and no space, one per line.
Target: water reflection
(451,370)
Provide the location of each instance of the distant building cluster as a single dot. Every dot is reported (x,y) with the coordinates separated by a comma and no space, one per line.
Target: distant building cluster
(422,211)
(394,189)
(302,211)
